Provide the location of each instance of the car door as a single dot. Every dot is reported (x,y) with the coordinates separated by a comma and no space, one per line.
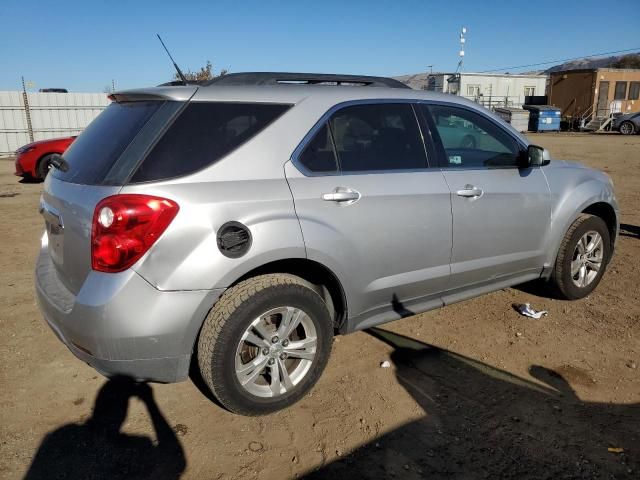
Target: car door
(372,211)
(501,213)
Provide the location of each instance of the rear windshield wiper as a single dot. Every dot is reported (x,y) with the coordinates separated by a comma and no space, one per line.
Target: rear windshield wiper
(59,162)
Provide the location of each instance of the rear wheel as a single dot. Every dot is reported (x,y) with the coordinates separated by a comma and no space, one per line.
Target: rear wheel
(627,128)
(582,258)
(265,344)
(44,165)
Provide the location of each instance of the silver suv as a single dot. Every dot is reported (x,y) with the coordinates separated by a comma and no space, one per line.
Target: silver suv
(237,226)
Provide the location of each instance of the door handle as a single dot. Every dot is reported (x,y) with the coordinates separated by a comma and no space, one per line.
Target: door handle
(342,195)
(470,191)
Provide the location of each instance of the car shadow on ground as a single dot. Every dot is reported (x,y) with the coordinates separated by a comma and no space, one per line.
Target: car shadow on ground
(29,180)
(481,422)
(627,230)
(538,288)
(97,449)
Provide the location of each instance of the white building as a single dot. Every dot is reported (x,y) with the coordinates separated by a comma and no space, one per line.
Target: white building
(489,89)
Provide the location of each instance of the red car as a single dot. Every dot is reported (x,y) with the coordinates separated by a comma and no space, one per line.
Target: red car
(33,160)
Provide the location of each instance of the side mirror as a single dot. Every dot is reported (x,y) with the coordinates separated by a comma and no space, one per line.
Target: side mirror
(536,157)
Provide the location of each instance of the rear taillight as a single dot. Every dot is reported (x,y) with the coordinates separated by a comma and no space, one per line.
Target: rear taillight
(124,228)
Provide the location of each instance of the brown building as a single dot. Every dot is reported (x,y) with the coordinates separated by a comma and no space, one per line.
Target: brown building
(590,95)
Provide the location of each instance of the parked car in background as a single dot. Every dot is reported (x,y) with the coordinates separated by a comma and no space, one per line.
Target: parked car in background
(627,124)
(34,159)
(237,226)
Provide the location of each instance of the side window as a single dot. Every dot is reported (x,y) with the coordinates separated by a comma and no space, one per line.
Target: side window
(472,141)
(378,137)
(319,155)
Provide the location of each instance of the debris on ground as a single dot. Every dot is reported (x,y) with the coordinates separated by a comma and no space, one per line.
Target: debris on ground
(615,450)
(385,364)
(526,310)
(180,429)
(255,446)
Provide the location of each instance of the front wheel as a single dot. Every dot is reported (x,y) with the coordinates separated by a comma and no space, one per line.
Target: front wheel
(582,258)
(627,128)
(265,344)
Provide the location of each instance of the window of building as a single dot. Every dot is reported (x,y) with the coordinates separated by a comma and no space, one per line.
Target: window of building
(621,91)
(378,137)
(634,91)
(473,90)
(529,91)
(472,141)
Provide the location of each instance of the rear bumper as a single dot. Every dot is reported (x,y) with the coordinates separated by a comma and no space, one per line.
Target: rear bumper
(121,325)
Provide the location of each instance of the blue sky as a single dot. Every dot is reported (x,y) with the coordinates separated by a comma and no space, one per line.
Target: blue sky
(82,45)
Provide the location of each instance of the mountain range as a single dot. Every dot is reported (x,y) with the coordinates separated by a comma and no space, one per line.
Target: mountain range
(633,61)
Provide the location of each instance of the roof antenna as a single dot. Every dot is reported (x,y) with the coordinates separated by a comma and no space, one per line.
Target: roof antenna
(180,74)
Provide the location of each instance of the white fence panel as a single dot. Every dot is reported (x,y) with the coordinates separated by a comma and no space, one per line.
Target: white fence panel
(13,122)
(52,115)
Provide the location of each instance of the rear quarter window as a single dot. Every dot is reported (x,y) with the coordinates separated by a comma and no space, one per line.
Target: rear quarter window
(203,134)
(319,156)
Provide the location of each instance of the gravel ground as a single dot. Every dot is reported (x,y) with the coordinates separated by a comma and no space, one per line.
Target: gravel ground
(474,390)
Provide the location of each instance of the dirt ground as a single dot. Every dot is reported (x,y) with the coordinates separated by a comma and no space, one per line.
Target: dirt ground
(474,390)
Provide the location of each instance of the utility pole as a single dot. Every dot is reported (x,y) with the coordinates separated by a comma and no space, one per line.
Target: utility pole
(113,85)
(27,112)
(456,78)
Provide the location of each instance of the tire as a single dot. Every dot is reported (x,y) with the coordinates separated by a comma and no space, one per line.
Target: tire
(627,128)
(44,164)
(572,284)
(224,349)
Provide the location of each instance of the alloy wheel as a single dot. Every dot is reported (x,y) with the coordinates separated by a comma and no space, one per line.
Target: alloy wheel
(587,259)
(626,128)
(276,352)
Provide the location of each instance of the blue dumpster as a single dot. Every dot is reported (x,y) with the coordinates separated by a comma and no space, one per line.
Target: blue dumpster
(543,118)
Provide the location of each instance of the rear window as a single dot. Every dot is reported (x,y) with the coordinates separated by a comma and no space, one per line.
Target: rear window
(94,152)
(203,134)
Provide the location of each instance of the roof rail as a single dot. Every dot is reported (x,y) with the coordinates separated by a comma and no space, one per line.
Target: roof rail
(285,78)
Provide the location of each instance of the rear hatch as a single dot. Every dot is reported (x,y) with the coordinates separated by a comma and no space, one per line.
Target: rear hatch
(99,162)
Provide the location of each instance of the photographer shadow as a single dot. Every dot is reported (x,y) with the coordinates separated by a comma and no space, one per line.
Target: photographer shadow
(97,449)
